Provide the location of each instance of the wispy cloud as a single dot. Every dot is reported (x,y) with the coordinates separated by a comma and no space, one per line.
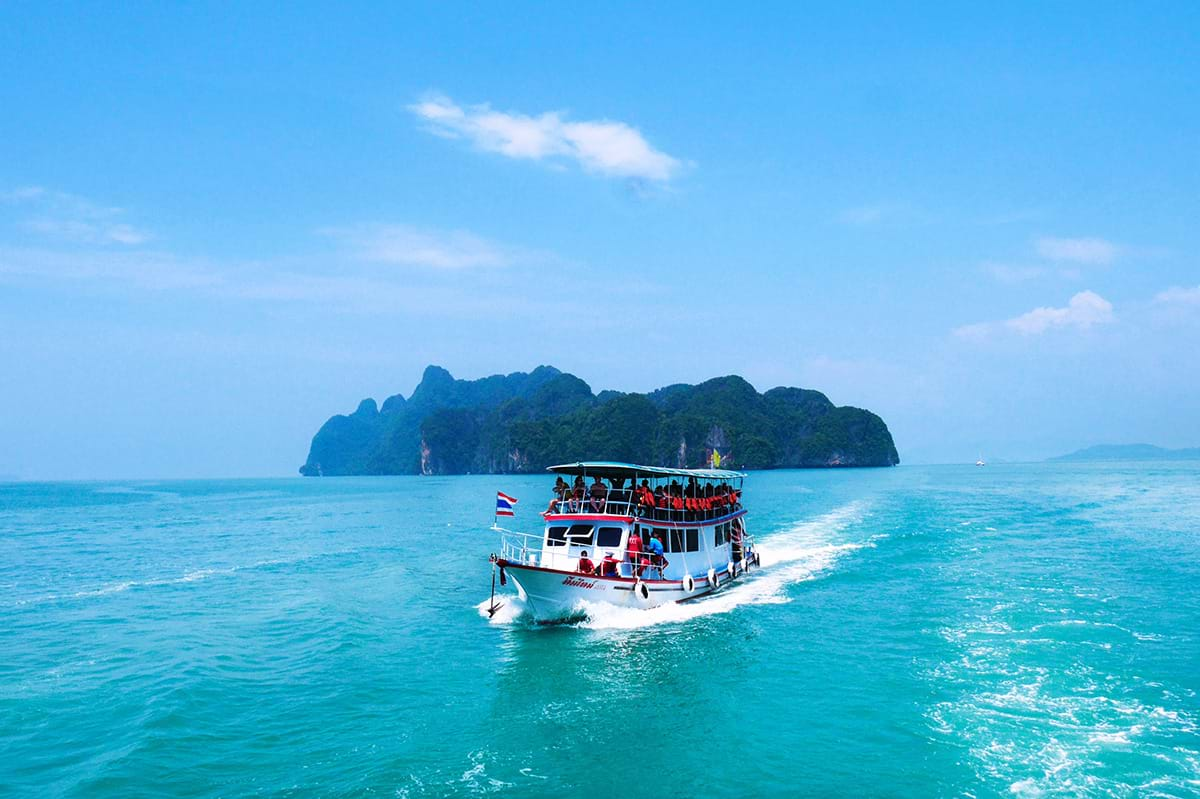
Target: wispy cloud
(1082,311)
(1179,295)
(1013,273)
(412,246)
(71,218)
(604,147)
(1081,251)
(884,214)
(359,278)
(136,268)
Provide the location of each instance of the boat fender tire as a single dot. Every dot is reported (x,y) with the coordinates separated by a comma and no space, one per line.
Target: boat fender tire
(712,577)
(689,584)
(732,571)
(641,590)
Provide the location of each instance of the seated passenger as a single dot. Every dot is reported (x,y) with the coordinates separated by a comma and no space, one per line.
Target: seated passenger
(599,496)
(585,564)
(609,566)
(561,492)
(577,492)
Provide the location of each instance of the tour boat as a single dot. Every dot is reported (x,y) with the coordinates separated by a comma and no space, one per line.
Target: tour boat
(695,514)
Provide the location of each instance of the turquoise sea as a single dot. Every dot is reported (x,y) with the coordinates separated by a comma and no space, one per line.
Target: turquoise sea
(1014,630)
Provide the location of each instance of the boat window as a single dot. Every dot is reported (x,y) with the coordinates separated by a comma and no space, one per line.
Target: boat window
(693,540)
(580,534)
(609,537)
(676,541)
(556,536)
(661,534)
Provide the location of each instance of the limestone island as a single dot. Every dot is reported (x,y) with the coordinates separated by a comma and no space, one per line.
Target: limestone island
(524,422)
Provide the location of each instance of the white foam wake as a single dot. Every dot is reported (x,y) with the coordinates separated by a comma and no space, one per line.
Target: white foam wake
(798,553)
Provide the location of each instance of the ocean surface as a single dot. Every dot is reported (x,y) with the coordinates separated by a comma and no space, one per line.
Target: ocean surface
(1015,630)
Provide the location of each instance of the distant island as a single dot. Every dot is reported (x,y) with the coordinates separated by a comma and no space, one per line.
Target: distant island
(525,422)
(1130,452)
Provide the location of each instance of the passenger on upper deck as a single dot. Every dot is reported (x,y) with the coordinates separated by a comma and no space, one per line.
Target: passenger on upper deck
(618,493)
(561,493)
(577,492)
(585,564)
(599,495)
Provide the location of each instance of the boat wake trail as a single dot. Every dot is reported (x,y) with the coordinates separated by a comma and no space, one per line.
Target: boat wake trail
(803,551)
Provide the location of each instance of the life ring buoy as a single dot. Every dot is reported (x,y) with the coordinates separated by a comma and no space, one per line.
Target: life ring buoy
(641,590)
(689,584)
(712,577)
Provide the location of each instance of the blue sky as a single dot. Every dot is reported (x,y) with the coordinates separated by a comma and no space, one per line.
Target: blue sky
(220,225)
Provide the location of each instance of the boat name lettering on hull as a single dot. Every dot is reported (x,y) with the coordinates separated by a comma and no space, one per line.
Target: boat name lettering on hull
(578,583)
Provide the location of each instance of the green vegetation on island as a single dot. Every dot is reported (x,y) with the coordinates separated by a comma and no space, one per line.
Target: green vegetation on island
(526,422)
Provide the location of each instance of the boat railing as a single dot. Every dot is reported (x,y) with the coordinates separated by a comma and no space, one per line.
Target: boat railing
(622,506)
(523,548)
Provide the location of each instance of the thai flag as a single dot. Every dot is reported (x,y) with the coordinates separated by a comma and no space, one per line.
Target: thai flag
(504,504)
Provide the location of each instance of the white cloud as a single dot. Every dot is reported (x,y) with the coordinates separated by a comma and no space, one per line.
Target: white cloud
(603,146)
(1083,310)
(69,217)
(1083,251)
(1179,295)
(411,246)
(976,332)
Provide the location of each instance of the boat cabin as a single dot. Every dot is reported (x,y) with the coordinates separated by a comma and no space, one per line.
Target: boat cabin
(694,514)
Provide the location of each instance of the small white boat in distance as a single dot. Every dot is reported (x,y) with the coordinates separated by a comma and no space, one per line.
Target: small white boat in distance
(629,535)
(980,461)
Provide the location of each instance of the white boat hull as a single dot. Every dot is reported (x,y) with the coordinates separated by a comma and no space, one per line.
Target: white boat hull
(554,595)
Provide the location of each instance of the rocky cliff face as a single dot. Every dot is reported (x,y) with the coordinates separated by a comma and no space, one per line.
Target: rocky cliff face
(525,422)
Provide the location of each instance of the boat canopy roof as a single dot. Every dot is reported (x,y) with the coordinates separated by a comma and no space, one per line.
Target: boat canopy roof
(610,469)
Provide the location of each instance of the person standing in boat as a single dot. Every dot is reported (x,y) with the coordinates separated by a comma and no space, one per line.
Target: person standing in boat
(633,550)
(656,554)
(737,529)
